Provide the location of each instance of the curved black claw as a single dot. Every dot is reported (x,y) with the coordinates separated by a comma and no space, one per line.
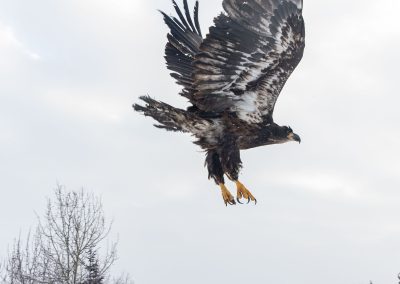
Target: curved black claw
(227,196)
(243,192)
(249,200)
(255,201)
(230,202)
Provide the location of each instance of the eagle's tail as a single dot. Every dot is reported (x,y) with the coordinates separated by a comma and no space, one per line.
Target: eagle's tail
(169,117)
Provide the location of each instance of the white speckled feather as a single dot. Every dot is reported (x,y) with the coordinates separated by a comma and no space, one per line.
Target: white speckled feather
(247,57)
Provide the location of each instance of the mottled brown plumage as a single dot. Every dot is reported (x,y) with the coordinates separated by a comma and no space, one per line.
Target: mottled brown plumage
(232,78)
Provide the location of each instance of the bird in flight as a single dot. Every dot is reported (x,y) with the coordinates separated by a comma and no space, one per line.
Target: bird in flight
(232,78)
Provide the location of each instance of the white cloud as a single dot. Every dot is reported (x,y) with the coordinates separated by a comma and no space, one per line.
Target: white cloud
(328,185)
(9,40)
(121,7)
(84,104)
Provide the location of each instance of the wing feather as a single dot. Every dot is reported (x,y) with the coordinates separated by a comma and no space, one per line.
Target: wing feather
(247,57)
(196,18)
(184,41)
(188,16)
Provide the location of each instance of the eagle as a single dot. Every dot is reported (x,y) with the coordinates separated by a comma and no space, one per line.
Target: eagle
(232,78)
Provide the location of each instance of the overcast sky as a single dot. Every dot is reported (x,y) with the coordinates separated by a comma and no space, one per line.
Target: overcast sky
(329,209)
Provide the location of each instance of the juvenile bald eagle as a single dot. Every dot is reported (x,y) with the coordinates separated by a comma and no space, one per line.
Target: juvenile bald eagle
(232,78)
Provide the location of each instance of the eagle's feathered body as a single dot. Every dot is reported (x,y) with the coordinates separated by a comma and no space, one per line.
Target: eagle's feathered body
(232,78)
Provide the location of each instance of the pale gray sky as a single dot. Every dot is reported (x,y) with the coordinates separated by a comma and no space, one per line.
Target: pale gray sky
(328,209)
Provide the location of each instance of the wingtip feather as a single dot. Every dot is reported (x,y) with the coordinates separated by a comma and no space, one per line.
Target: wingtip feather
(196,18)
(188,16)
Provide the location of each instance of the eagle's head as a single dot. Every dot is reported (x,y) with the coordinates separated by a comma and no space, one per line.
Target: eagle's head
(290,135)
(280,134)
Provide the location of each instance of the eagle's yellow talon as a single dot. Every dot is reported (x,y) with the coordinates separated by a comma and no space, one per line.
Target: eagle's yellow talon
(243,192)
(226,195)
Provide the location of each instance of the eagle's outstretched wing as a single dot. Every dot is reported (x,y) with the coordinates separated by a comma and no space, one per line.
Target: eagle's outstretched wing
(183,44)
(247,57)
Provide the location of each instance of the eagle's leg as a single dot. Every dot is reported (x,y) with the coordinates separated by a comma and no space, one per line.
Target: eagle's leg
(231,164)
(243,192)
(216,172)
(226,195)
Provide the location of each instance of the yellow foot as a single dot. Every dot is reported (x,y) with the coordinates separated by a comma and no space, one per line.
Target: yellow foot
(226,195)
(243,192)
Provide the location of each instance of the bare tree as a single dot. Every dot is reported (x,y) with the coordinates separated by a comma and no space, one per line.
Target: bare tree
(2,274)
(25,263)
(123,279)
(72,230)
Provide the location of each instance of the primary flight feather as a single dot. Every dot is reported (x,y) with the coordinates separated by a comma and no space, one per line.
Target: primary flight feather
(232,78)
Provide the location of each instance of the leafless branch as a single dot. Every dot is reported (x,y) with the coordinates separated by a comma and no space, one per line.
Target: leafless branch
(57,252)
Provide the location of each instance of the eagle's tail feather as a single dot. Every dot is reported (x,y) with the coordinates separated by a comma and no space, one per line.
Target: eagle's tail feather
(169,117)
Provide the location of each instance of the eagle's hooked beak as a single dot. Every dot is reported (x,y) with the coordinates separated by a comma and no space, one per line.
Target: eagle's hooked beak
(297,138)
(294,137)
